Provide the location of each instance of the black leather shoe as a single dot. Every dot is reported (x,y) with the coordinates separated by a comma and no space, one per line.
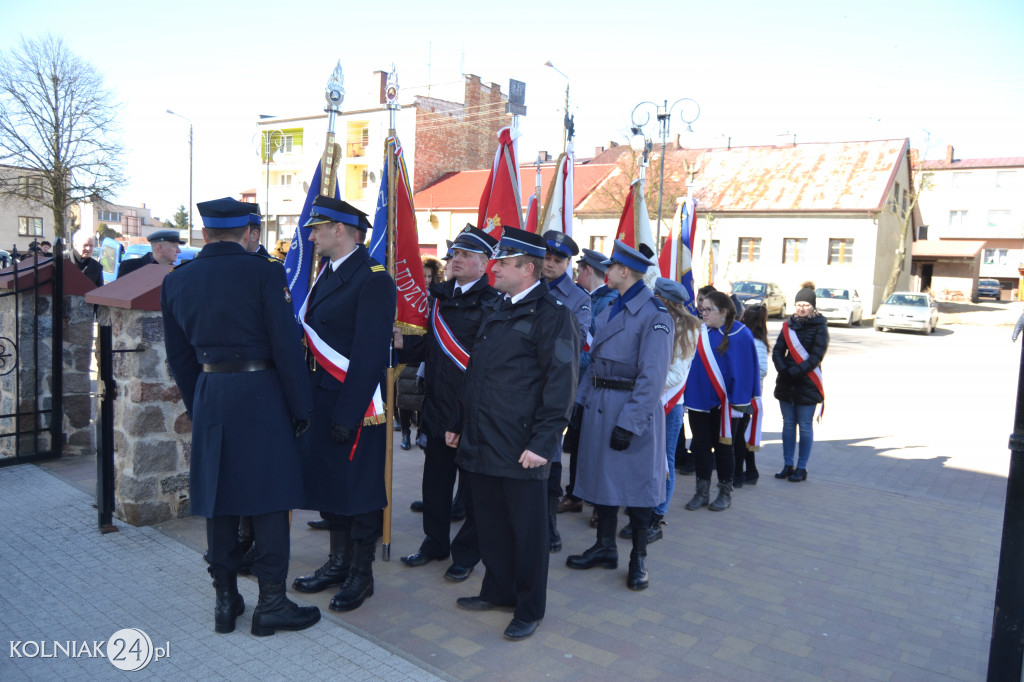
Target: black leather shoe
(751,477)
(738,481)
(521,629)
(406,441)
(456,573)
(798,475)
(786,472)
(417,559)
(474,604)
(318,525)
(416,506)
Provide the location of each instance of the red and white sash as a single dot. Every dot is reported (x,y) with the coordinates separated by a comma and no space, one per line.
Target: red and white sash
(449,345)
(336,364)
(714,372)
(672,395)
(752,436)
(799,353)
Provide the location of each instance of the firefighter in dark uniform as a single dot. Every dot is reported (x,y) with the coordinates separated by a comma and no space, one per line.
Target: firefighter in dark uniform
(621,418)
(165,244)
(518,392)
(347,317)
(558,274)
(236,356)
(460,307)
(590,273)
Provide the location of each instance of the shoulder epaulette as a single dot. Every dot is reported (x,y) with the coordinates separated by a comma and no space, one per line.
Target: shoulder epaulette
(658,304)
(377,268)
(181,264)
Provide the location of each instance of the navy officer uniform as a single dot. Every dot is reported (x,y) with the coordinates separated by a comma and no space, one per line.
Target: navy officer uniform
(460,309)
(518,391)
(620,415)
(560,248)
(351,309)
(133,264)
(235,353)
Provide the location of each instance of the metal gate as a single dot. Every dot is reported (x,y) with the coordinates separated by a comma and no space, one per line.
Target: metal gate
(31,406)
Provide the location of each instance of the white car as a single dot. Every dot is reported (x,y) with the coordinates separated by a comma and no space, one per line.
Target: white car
(908,310)
(840,305)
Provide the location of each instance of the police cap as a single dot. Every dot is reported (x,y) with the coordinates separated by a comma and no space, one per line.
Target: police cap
(560,244)
(516,242)
(630,257)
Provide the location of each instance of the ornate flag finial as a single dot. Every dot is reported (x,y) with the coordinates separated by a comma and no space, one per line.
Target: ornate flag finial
(335,92)
(391,88)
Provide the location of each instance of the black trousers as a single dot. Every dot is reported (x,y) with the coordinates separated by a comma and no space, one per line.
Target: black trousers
(739,446)
(439,473)
(512,527)
(364,529)
(639,517)
(272,545)
(704,430)
(555,480)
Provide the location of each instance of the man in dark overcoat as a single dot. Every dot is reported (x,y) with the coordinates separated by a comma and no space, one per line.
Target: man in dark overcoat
(458,308)
(347,319)
(235,353)
(519,388)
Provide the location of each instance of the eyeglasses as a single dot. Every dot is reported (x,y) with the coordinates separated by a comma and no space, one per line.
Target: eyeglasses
(705,311)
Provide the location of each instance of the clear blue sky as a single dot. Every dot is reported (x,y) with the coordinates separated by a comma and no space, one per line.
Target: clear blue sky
(937,72)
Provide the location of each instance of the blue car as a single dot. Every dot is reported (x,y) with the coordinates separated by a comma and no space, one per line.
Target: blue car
(988,287)
(112,253)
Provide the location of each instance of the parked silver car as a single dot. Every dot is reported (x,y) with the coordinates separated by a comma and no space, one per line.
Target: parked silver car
(840,305)
(908,310)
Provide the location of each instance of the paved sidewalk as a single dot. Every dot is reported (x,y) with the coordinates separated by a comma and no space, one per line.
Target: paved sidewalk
(60,580)
(881,566)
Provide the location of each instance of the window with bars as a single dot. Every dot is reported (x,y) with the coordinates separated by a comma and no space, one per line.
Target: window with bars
(794,249)
(748,250)
(840,251)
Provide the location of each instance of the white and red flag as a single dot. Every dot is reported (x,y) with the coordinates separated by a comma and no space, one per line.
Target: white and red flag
(531,214)
(675,260)
(635,224)
(501,203)
(559,204)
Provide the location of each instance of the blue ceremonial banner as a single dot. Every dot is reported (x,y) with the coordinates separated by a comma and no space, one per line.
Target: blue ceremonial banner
(688,233)
(298,262)
(378,247)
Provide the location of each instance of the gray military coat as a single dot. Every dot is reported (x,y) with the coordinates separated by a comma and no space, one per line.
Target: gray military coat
(635,345)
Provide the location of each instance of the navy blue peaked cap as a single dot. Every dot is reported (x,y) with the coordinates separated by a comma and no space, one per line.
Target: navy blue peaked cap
(516,242)
(227,213)
(328,210)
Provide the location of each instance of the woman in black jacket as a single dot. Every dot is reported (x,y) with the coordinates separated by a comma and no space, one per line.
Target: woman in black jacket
(797,356)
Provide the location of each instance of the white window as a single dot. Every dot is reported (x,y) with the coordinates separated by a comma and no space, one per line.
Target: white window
(286,179)
(1006,179)
(748,250)
(958,218)
(30,227)
(794,250)
(109,216)
(840,251)
(1000,218)
(961,180)
(286,146)
(995,256)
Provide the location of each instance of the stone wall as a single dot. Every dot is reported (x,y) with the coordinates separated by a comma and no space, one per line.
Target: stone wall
(26,363)
(152,433)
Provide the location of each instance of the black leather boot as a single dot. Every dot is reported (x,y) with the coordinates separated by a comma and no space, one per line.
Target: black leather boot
(637,578)
(724,499)
(553,536)
(786,471)
(359,584)
(230,604)
(655,534)
(276,612)
(603,553)
(332,573)
(701,497)
(406,439)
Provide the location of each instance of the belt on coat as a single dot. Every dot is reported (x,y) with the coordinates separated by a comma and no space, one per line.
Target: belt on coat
(614,384)
(240,366)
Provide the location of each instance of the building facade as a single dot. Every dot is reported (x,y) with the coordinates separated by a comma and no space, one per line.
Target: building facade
(135,223)
(977,200)
(23,219)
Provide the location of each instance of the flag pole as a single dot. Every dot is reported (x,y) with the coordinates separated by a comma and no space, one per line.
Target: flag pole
(335,95)
(391,163)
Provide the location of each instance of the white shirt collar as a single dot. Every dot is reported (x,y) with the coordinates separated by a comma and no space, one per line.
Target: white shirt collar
(335,264)
(518,297)
(463,288)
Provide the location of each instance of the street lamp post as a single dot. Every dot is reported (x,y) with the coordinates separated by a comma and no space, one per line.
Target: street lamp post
(664,116)
(566,135)
(189,173)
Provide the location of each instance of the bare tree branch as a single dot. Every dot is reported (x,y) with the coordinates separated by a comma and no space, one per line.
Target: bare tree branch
(59,123)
